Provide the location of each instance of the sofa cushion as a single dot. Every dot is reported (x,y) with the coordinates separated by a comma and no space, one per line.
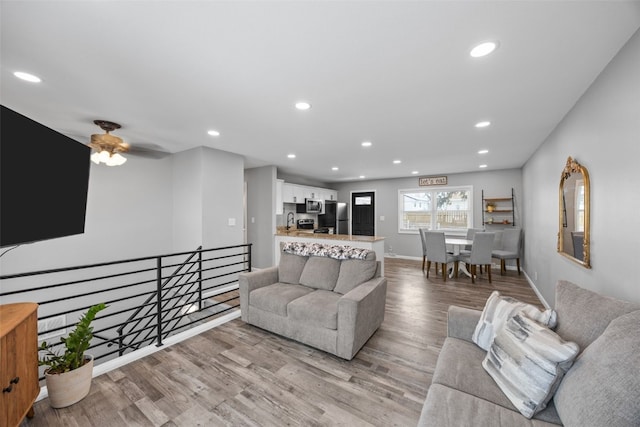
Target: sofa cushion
(448,407)
(459,366)
(353,273)
(528,360)
(583,315)
(319,308)
(603,386)
(320,273)
(275,298)
(290,268)
(498,310)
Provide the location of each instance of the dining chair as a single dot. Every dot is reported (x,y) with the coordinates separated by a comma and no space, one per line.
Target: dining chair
(470,233)
(423,240)
(437,252)
(480,254)
(577,237)
(509,248)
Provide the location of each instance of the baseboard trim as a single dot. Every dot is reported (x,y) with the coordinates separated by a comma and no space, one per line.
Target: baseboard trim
(535,289)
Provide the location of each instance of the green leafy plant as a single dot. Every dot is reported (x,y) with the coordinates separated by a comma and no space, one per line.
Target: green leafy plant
(75,345)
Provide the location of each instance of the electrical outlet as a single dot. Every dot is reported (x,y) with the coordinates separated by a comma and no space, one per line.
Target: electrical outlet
(535,276)
(49,324)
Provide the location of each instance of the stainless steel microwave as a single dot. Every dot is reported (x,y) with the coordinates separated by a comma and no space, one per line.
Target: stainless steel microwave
(313,205)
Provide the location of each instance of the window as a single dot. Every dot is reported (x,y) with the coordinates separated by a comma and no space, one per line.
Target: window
(447,209)
(579,203)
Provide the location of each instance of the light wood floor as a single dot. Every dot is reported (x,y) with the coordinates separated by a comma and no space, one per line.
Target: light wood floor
(238,374)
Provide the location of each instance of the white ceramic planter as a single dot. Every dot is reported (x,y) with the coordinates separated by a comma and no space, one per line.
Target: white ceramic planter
(70,387)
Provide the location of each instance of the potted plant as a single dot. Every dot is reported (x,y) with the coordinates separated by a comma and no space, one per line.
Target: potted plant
(491,206)
(69,374)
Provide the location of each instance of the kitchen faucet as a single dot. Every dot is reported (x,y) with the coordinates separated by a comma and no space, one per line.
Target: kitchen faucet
(290,216)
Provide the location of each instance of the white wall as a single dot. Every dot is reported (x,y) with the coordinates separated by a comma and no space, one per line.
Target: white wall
(187,200)
(494,183)
(128,213)
(207,188)
(602,132)
(222,198)
(261,214)
(142,208)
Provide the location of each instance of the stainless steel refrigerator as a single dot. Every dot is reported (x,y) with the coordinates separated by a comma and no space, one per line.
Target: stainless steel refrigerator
(336,215)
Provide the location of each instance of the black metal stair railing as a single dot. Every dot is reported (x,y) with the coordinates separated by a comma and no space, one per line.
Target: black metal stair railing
(149,298)
(145,313)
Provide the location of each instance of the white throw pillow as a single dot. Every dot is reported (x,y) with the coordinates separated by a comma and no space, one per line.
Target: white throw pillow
(498,310)
(527,361)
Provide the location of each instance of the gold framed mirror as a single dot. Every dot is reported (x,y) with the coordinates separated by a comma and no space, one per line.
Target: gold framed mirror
(574,194)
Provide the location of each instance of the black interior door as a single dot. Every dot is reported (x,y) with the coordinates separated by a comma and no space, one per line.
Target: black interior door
(362,210)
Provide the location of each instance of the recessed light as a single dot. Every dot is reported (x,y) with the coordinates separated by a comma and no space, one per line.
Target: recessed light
(483,124)
(414,172)
(482,166)
(483,151)
(483,49)
(213,132)
(303,105)
(335,168)
(367,144)
(27,77)
(291,156)
(397,162)
(361,176)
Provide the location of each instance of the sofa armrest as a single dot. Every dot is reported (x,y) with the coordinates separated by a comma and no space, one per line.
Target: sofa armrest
(461,322)
(254,280)
(360,313)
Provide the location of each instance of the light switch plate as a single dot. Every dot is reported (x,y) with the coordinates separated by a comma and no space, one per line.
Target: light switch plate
(232,222)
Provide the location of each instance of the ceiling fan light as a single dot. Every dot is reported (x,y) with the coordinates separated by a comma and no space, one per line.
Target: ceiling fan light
(116,160)
(95,158)
(103,156)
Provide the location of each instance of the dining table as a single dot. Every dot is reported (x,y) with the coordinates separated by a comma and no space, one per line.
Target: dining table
(457,243)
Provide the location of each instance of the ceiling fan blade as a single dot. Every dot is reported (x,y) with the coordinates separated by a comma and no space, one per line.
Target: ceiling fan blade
(149,151)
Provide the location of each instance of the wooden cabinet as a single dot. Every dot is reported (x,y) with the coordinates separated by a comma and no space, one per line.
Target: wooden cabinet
(498,210)
(18,361)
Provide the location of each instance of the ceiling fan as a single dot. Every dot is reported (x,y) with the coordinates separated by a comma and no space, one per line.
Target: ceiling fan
(108,147)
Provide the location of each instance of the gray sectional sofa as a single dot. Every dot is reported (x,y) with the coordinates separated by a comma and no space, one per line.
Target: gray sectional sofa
(602,387)
(327,296)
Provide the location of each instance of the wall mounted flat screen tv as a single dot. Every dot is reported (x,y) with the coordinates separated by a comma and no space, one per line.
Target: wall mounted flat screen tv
(44,179)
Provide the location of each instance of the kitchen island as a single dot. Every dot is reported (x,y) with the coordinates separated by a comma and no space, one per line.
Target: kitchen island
(374,243)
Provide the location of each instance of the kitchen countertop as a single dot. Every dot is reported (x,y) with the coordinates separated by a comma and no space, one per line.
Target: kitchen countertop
(343,237)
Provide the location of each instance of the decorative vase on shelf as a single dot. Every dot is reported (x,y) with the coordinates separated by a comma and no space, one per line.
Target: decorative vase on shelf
(490,208)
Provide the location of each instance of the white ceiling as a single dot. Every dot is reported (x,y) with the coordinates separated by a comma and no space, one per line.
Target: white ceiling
(395,73)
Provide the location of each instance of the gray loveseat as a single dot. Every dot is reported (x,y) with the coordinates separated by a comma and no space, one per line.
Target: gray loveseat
(327,296)
(602,388)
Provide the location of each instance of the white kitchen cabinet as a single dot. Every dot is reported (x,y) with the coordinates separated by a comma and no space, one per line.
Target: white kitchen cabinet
(294,193)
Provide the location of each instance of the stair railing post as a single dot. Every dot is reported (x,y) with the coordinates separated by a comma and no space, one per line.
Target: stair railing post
(120,344)
(159,300)
(200,279)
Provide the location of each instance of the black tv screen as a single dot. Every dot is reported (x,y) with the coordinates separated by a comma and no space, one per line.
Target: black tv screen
(44,179)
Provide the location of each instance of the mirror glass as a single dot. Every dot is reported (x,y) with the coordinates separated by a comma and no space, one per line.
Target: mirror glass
(573,234)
